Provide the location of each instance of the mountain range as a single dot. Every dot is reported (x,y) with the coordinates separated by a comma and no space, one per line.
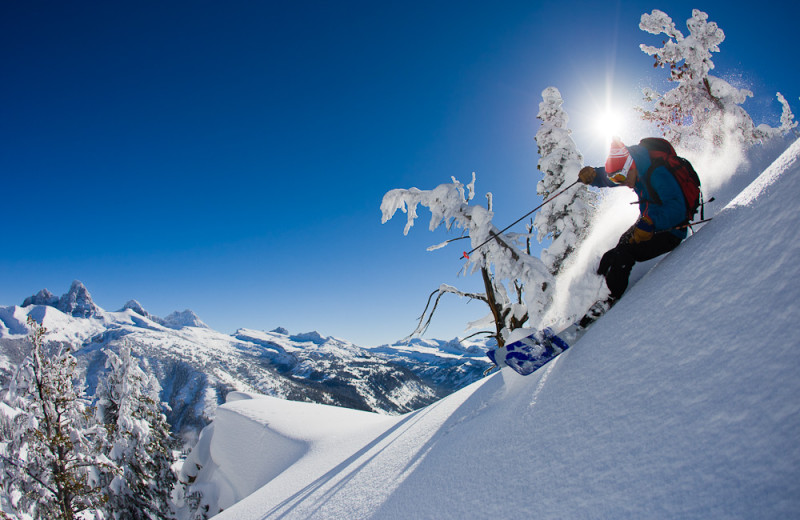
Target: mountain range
(197,366)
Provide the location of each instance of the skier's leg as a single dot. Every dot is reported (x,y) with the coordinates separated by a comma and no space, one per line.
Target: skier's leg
(616,267)
(616,264)
(658,245)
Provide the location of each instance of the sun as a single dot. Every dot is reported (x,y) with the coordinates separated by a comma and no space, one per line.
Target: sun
(609,124)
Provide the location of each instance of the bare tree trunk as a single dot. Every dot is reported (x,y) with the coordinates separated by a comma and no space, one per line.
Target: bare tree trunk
(492,301)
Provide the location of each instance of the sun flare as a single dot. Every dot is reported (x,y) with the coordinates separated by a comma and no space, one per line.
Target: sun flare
(609,124)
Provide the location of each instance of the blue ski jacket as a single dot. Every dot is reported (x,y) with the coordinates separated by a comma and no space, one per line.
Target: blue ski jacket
(672,210)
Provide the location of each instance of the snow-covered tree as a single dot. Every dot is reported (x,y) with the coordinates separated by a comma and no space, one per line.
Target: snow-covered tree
(137,440)
(566,218)
(49,463)
(518,286)
(190,502)
(702,108)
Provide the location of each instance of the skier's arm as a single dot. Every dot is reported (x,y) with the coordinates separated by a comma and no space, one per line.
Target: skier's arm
(600,178)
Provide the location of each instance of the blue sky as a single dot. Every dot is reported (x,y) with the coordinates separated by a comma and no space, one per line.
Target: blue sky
(230,157)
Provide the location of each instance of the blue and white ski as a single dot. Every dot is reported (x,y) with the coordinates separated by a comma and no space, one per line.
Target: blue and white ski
(529,353)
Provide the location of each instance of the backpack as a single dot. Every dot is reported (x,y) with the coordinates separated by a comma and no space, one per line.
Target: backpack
(663,154)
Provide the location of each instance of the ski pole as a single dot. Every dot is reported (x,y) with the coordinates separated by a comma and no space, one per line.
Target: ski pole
(690,224)
(496,235)
(684,226)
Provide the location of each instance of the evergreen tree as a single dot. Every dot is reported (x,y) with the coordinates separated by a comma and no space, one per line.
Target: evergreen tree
(702,108)
(566,218)
(49,464)
(137,440)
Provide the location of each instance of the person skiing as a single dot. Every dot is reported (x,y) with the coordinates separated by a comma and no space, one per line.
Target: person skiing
(662,209)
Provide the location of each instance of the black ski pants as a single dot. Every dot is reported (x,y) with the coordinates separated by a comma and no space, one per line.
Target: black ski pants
(616,264)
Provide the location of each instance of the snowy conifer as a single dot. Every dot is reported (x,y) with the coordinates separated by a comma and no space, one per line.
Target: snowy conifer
(566,218)
(702,108)
(518,286)
(137,440)
(49,466)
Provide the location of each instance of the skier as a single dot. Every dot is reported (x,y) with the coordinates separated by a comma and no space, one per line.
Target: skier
(668,189)
(662,209)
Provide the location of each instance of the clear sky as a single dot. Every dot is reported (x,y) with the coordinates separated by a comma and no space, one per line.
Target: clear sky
(230,157)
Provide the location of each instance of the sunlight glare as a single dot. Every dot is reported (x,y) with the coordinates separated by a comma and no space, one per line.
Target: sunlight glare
(609,124)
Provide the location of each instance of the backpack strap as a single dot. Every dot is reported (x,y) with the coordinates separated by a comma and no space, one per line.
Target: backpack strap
(654,163)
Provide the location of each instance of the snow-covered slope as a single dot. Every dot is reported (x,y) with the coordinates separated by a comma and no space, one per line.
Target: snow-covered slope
(198,366)
(682,402)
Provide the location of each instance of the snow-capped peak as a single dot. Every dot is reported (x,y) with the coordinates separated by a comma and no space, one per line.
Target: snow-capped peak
(43,297)
(313,337)
(179,320)
(76,302)
(137,308)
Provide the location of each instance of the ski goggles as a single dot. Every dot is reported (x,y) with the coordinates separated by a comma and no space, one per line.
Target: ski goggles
(620,176)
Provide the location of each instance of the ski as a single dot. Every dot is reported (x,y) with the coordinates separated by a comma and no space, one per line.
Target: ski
(528,354)
(532,352)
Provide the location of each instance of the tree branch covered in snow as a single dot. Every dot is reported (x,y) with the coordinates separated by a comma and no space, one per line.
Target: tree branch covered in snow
(502,263)
(702,108)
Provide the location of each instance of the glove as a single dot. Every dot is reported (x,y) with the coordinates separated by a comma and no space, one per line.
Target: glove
(587,175)
(643,231)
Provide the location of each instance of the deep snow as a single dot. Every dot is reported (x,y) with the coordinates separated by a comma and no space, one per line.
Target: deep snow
(682,402)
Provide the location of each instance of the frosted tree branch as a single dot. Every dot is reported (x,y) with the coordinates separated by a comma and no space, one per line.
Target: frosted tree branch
(450,206)
(702,108)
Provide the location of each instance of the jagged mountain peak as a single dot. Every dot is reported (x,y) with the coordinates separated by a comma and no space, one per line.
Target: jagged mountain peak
(78,302)
(43,297)
(75,302)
